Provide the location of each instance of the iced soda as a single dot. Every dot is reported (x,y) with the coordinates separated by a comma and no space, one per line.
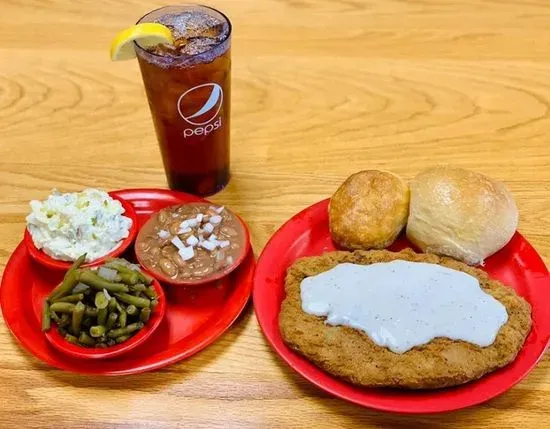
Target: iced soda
(188,86)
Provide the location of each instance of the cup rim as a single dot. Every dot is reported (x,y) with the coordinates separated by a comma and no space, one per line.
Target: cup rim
(217,45)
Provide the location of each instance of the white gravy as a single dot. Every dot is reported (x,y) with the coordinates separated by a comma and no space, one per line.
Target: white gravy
(402,304)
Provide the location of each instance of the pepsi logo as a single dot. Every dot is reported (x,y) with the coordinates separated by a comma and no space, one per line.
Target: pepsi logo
(201,104)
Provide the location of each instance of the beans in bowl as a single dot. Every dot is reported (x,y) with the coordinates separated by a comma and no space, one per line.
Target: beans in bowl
(191,241)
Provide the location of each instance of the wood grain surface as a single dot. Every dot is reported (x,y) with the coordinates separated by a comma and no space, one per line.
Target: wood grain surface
(321,89)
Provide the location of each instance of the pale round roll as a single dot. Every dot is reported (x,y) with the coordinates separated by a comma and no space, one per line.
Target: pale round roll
(460,213)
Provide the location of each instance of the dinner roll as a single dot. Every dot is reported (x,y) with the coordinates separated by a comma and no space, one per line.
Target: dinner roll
(369,210)
(460,213)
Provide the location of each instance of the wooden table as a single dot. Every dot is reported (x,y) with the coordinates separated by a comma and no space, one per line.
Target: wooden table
(321,89)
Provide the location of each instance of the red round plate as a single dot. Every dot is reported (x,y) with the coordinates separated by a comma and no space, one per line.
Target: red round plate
(50,262)
(194,317)
(74,350)
(307,234)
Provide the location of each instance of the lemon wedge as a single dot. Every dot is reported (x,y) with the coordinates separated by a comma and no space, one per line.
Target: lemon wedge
(146,34)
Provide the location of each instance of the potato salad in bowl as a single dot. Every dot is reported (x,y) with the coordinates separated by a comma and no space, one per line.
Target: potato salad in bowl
(67,225)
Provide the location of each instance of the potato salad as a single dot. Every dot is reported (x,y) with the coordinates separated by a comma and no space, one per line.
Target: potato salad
(65,226)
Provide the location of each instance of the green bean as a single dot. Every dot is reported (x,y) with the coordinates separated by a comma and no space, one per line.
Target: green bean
(71,339)
(131,310)
(62,307)
(54,317)
(70,298)
(122,264)
(101,345)
(154,303)
(101,300)
(76,265)
(145,314)
(130,278)
(145,278)
(62,331)
(91,279)
(122,319)
(97,331)
(133,327)
(78,314)
(69,282)
(90,311)
(128,275)
(139,288)
(111,320)
(102,316)
(86,340)
(46,317)
(151,292)
(133,300)
(112,304)
(122,338)
(87,321)
(64,321)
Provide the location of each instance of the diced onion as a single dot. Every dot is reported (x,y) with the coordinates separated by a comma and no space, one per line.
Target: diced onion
(186,253)
(178,243)
(192,241)
(215,219)
(107,273)
(80,287)
(163,234)
(208,245)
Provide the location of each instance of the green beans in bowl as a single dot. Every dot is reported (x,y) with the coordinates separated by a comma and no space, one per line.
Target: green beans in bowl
(102,312)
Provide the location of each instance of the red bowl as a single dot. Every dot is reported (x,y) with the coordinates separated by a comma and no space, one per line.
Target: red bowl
(212,278)
(46,260)
(76,351)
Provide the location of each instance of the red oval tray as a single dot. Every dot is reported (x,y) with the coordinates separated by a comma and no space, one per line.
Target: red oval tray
(307,234)
(194,317)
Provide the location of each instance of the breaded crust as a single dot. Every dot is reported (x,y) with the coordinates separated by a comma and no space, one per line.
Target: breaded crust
(351,355)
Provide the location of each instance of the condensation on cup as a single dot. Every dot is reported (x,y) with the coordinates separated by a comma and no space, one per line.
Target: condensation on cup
(188,87)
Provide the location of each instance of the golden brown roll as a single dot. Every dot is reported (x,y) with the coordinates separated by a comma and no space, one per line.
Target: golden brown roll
(369,210)
(460,213)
